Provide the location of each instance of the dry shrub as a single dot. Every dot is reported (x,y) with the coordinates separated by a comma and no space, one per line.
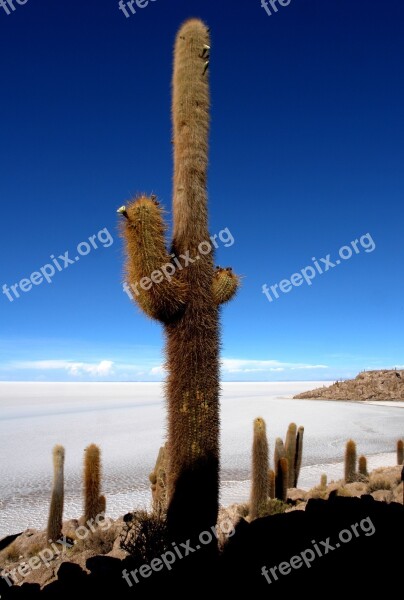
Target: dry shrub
(100,541)
(11,553)
(144,535)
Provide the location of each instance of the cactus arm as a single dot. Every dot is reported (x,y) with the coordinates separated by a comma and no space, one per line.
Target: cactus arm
(155,286)
(225,285)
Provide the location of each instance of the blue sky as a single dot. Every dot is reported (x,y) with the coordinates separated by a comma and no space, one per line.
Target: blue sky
(306,157)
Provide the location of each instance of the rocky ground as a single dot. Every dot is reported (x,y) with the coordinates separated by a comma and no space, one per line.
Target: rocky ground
(368,385)
(383,484)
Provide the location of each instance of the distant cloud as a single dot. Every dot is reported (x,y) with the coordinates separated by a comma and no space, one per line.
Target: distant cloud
(160,370)
(152,370)
(75,369)
(235,365)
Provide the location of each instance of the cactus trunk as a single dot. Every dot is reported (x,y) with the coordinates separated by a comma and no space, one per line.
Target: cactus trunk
(192,340)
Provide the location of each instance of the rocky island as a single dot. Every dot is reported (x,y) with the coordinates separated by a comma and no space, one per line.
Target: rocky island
(369,385)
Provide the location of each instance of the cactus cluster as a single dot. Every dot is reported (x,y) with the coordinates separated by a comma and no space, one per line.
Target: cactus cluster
(288,460)
(94,503)
(354,469)
(268,484)
(187,303)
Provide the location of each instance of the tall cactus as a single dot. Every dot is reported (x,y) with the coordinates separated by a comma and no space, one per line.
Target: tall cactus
(181,289)
(260,467)
(55,520)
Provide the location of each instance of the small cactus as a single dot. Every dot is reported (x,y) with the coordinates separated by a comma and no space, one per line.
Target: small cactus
(158,480)
(260,464)
(271,484)
(281,468)
(298,455)
(350,462)
(278,454)
(363,466)
(323,482)
(400,452)
(92,483)
(281,480)
(55,521)
(290,448)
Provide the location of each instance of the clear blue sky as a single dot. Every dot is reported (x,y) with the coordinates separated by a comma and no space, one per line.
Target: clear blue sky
(306,156)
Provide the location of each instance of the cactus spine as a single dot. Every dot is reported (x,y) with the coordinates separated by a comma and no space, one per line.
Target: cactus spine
(350,461)
(400,452)
(55,521)
(94,504)
(260,466)
(187,302)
